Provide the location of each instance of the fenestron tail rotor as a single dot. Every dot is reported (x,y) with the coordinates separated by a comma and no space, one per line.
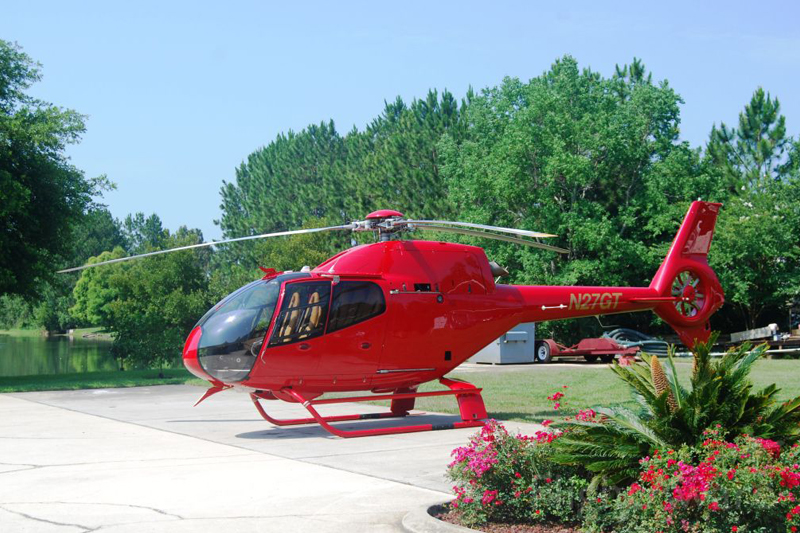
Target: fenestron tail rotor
(385,223)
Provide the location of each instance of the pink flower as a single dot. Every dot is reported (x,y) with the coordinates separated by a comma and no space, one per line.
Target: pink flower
(488,497)
(772,447)
(694,481)
(586,415)
(546,423)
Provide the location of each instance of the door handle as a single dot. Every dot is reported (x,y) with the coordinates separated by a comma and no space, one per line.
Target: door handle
(365,345)
(304,346)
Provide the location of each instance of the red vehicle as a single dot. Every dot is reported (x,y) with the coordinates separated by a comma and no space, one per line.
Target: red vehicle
(389,316)
(590,349)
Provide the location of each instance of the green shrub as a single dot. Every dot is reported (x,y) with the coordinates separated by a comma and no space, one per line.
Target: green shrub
(721,395)
(742,486)
(502,477)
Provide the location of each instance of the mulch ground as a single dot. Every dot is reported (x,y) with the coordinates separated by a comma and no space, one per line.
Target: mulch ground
(453,517)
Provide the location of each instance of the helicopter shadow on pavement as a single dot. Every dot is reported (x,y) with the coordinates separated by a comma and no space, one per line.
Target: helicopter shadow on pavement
(306,431)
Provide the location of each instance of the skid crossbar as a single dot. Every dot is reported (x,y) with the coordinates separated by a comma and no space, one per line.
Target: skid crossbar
(470,402)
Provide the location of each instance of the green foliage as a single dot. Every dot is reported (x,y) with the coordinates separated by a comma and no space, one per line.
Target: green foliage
(757,251)
(511,478)
(140,233)
(595,160)
(149,305)
(721,395)
(158,301)
(319,174)
(15,312)
(96,290)
(752,155)
(41,195)
(745,485)
(97,232)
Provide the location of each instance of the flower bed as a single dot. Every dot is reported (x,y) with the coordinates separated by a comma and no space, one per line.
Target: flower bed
(508,478)
(749,484)
(508,482)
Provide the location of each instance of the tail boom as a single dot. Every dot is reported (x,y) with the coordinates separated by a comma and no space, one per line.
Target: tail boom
(685,291)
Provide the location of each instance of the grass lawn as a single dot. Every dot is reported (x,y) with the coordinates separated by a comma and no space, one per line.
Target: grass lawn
(97,380)
(22,332)
(95,333)
(520,392)
(516,392)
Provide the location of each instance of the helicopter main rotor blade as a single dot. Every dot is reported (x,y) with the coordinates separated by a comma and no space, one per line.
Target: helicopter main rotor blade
(481,226)
(495,236)
(211,243)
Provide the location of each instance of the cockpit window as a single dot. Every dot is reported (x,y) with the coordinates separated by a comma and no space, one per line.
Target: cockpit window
(354,302)
(234,330)
(303,312)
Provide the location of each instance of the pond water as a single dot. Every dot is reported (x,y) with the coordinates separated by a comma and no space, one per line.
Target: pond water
(36,355)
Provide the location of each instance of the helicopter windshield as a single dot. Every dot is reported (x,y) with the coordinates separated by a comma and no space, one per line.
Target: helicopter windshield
(234,329)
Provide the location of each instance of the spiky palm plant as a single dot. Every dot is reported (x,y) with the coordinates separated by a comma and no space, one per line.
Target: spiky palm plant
(721,394)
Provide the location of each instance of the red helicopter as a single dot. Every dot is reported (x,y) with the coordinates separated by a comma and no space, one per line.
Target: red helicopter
(389,316)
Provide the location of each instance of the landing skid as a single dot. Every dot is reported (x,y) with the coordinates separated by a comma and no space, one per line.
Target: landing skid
(470,405)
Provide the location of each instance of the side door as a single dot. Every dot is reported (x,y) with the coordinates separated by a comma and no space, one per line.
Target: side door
(355,333)
(296,345)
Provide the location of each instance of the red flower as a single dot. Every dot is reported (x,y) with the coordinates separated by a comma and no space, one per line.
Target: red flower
(714,506)
(548,480)
(634,488)
(734,529)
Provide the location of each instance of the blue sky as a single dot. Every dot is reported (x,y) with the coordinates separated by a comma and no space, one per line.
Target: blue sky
(179,93)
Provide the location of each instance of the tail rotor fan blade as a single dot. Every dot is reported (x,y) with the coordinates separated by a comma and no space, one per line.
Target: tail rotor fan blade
(211,243)
(495,236)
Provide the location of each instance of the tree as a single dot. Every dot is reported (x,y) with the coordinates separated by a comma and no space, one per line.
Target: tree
(317,174)
(158,301)
(756,251)
(141,233)
(591,159)
(96,290)
(42,196)
(149,305)
(96,233)
(752,155)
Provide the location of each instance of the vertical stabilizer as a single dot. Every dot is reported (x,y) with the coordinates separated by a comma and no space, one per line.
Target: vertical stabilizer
(686,277)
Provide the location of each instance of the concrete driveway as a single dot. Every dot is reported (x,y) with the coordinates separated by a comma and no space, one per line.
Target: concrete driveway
(144,460)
